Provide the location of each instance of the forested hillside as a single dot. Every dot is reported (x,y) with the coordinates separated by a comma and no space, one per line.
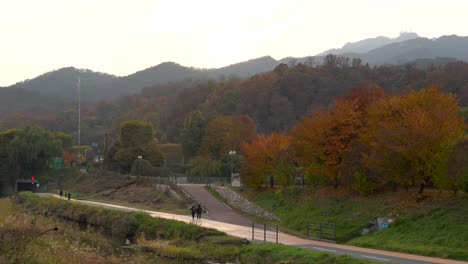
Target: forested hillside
(274,100)
(63,83)
(95,86)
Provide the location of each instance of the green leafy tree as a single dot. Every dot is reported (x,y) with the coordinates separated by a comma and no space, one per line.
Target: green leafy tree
(65,139)
(137,138)
(236,162)
(362,184)
(464,114)
(32,149)
(204,167)
(6,167)
(191,134)
(457,168)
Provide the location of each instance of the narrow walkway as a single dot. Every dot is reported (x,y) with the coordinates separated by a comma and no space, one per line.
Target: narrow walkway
(217,210)
(246,232)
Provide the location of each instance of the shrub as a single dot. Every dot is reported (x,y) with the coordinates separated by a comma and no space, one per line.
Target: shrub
(362,184)
(279,196)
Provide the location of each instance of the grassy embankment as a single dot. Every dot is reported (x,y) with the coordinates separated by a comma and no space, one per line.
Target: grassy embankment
(101,234)
(434,224)
(116,189)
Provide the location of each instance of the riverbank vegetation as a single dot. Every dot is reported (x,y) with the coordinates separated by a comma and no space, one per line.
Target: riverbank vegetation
(49,230)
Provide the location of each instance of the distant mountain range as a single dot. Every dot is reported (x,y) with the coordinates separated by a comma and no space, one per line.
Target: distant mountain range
(366,45)
(61,84)
(97,86)
(419,48)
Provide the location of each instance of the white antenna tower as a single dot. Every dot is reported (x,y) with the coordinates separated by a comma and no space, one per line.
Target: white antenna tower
(78,84)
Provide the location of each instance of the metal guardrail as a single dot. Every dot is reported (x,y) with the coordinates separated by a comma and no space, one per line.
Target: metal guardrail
(206,180)
(187,179)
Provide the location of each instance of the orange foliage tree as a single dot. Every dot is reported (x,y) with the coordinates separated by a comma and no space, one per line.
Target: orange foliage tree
(268,156)
(322,141)
(417,129)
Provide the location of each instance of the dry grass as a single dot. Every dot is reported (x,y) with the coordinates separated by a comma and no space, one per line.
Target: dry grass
(145,197)
(167,249)
(124,191)
(5,209)
(25,240)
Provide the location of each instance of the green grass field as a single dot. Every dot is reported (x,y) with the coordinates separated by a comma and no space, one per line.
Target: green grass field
(297,210)
(441,230)
(434,224)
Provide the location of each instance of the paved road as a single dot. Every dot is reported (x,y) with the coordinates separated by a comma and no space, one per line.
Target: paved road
(216,210)
(286,239)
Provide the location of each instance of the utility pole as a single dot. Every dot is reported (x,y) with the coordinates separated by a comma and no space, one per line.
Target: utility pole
(78,84)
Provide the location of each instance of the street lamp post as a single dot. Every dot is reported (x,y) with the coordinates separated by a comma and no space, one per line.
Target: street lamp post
(231,154)
(101,161)
(139,166)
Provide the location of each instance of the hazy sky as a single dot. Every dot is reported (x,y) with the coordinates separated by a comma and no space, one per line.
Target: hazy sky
(121,37)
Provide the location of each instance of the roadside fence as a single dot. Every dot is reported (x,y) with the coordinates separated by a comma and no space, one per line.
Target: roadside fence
(265,233)
(324,231)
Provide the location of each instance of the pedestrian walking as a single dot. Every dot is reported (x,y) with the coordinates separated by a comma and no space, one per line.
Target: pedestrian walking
(193,209)
(61,193)
(199,211)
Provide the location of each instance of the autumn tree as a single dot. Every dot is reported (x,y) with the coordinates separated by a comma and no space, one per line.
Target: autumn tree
(418,129)
(324,140)
(321,141)
(353,167)
(268,158)
(226,133)
(137,138)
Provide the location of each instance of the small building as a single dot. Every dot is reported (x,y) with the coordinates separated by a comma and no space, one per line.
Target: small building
(26,185)
(57,163)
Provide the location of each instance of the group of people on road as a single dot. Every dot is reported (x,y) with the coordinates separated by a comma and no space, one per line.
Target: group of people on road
(67,195)
(196,209)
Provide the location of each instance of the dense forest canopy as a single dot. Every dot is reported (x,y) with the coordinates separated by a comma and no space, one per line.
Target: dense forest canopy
(275,100)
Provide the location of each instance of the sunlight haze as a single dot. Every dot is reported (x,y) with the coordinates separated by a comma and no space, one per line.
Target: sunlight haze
(121,37)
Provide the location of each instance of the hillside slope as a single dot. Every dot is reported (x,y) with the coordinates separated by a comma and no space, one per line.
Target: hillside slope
(433,224)
(95,86)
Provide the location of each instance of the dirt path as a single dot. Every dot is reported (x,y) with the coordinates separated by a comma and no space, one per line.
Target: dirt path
(217,210)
